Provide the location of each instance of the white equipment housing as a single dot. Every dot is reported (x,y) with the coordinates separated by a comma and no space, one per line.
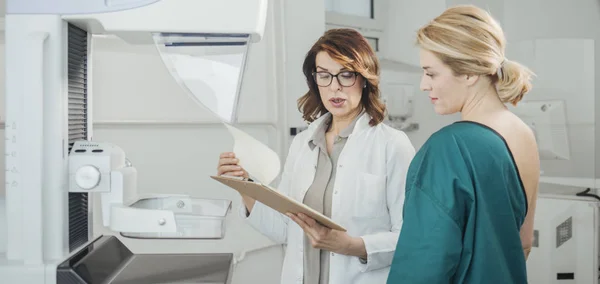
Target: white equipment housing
(53,166)
(566,248)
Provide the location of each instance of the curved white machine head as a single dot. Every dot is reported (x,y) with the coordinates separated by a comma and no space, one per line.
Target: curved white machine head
(204,44)
(137,20)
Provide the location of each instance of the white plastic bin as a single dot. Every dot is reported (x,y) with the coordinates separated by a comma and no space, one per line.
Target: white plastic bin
(195,218)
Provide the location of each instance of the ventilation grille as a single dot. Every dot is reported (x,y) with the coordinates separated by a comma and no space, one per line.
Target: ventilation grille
(564,232)
(77,72)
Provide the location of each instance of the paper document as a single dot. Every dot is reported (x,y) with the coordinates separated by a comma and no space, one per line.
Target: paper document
(256,158)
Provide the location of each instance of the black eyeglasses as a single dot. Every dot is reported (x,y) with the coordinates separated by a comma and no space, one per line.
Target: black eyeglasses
(345,78)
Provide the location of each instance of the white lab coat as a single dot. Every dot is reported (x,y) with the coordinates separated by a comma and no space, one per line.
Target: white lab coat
(368,200)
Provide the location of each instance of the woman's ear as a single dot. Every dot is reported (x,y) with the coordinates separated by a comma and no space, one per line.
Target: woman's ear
(470,80)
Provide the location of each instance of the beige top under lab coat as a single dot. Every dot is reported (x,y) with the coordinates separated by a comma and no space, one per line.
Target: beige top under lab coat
(319,197)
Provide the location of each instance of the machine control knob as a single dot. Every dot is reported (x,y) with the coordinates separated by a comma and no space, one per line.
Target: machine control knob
(87,177)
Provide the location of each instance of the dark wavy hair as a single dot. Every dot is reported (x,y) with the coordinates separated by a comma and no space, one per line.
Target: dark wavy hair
(349,48)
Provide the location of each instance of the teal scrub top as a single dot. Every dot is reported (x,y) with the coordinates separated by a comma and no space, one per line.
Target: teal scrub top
(464,207)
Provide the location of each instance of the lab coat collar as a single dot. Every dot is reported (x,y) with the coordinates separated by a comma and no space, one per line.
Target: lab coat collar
(362,123)
(318,136)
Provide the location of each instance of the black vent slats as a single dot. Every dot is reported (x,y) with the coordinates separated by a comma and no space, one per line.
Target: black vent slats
(78,130)
(77,67)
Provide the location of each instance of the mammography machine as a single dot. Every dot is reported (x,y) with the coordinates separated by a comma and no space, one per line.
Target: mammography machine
(54,169)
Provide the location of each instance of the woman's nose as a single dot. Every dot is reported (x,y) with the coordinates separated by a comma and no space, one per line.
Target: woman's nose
(335,84)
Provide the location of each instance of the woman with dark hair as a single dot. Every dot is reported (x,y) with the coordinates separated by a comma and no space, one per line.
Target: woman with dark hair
(347,165)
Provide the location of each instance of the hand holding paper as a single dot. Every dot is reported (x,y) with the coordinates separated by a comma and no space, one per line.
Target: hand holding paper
(229,166)
(257,159)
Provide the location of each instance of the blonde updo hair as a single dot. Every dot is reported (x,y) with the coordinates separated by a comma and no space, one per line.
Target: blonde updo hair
(471,42)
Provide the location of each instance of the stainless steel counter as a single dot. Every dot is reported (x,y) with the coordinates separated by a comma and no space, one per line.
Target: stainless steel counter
(176,269)
(108,261)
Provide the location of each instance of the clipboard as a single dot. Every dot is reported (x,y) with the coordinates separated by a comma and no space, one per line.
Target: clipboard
(275,200)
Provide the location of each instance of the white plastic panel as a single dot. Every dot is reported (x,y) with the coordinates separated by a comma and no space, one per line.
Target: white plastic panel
(125,218)
(194,218)
(398,99)
(360,8)
(181,16)
(71,6)
(34,111)
(209,68)
(566,246)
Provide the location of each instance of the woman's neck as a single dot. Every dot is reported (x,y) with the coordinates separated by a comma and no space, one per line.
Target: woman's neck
(339,123)
(483,103)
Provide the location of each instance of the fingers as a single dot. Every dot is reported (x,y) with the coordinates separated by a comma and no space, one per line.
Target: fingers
(294,218)
(309,221)
(228,165)
(228,158)
(310,232)
(227,155)
(230,170)
(299,221)
(228,161)
(319,235)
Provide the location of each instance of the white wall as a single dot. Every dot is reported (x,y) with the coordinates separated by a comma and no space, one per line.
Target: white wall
(404,19)
(304,23)
(2,110)
(564,52)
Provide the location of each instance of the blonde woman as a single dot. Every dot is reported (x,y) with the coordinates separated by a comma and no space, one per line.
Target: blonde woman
(471,189)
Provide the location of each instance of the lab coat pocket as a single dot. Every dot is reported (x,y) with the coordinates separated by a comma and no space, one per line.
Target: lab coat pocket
(369,195)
